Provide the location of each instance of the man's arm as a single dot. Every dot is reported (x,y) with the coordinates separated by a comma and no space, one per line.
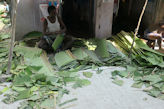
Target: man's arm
(62,25)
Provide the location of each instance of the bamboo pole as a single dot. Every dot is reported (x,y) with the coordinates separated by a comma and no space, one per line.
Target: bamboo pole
(138,26)
(12,37)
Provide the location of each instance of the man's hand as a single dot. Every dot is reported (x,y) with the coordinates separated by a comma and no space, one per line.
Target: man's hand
(58,32)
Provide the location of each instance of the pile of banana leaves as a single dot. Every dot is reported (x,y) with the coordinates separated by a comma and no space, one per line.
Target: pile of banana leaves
(147,65)
(40,80)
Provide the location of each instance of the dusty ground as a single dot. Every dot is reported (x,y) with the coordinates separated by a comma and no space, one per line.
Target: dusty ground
(103,94)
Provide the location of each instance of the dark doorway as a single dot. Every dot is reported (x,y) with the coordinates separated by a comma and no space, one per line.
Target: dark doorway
(78,17)
(128,16)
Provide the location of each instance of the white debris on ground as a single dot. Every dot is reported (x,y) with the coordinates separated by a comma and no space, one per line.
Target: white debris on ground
(103,94)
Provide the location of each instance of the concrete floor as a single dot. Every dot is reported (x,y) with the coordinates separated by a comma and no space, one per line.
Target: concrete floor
(103,94)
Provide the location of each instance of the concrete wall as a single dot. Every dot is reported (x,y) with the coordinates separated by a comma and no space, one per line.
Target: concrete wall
(28,17)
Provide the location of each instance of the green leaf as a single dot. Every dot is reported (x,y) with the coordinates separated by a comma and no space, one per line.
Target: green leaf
(69,79)
(88,74)
(153,58)
(137,84)
(4,90)
(52,79)
(0,72)
(67,74)
(48,104)
(120,73)
(34,34)
(162,88)
(68,101)
(34,97)
(115,73)
(28,84)
(92,56)
(4,36)
(81,83)
(24,94)
(154,92)
(34,88)
(152,78)
(35,57)
(102,49)
(131,69)
(39,77)
(161,96)
(118,82)
(20,80)
(80,54)
(63,58)
(18,89)
(137,76)
(28,52)
(123,73)
(114,50)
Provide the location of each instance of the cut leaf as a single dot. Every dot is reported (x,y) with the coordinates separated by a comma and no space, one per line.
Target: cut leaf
(137,85)
(24,94)
(88,74)
(48,104)
(81,83)
(118,82)
(62,59)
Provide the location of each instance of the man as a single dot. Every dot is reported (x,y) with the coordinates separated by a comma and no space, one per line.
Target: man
(6,10)
(155,33)
(52,27)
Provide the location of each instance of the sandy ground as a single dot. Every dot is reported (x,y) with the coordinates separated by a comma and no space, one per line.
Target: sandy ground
(103,94)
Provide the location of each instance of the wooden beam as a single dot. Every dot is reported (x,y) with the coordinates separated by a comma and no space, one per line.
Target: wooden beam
(12,36)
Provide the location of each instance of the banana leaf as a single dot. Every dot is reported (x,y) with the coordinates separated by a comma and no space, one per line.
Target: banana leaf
(63,58)
(144,46)
(102,49)
(35,57)
(80,54)
(34,34)
(58,41)
(92,55)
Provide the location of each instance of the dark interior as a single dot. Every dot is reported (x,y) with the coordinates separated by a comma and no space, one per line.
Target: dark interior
(127,17)
(78,17)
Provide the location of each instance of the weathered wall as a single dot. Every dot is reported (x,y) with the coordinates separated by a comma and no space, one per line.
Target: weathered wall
(153,14)
(28,17)
(104,18)
(25,18)
(160,11)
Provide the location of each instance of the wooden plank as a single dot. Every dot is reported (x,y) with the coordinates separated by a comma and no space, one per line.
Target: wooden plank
(12,37)
(104,18)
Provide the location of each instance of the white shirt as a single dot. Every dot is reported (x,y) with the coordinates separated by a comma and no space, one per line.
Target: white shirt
(52,27)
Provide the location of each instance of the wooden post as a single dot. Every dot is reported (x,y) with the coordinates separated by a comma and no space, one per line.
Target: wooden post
(12,36)
(138,26)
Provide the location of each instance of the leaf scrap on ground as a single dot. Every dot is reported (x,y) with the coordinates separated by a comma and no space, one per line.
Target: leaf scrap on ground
(88,74)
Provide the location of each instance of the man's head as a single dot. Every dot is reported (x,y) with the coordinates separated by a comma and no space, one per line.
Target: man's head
(5,3)
(52,11)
